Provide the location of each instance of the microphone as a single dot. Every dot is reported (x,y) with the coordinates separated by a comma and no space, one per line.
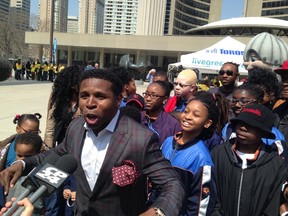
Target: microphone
(51,177)
(30,184)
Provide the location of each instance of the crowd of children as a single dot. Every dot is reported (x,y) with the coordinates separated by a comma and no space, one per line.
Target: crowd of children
(228,152)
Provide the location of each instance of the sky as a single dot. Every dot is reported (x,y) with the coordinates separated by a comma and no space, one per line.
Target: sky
(230,9)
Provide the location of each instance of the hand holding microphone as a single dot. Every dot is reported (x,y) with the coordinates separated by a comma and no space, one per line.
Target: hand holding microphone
(28,206)
(51,177)
(45,179)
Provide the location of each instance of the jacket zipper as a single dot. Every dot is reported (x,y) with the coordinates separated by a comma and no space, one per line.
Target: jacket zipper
(239,194)
(173,153)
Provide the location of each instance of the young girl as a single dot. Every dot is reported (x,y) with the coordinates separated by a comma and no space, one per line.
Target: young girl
(25,123)
(190,156)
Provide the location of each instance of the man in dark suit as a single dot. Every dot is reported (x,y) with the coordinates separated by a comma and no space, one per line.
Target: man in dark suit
(105,145)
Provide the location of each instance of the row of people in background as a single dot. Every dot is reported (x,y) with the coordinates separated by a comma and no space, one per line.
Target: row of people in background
(36,70)
(199,125)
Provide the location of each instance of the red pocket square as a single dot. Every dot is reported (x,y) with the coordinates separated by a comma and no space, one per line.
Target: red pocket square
(126,174)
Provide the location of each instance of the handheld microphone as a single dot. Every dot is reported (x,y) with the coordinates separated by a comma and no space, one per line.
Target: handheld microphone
(30,184)
(51,177)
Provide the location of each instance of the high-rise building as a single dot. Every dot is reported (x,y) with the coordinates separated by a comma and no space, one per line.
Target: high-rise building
(60,15)
(4,10)
(91,16)
(163,17)
(120,17)
(20,14)
(266,8)
(72,24)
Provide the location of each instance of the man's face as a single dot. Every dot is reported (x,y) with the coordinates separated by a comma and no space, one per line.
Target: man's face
(228,74)
(98,103)
(183,88)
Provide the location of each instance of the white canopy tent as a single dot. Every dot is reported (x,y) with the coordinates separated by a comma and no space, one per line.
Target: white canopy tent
(211,59)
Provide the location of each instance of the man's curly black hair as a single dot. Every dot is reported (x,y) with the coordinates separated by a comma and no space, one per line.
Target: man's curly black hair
(65,90)
(105,74)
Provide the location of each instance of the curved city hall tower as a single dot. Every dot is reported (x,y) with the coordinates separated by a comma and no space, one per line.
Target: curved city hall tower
(175,17)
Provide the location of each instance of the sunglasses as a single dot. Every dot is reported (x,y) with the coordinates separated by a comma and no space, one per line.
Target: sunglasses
(181,85)
(228,72)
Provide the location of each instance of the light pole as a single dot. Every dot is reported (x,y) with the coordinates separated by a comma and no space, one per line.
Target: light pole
(51,30)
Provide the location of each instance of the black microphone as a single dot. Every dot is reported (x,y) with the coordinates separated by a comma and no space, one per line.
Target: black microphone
(30,183)
(51,177)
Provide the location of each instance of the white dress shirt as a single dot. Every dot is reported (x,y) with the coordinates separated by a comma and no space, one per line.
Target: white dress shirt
(94,150)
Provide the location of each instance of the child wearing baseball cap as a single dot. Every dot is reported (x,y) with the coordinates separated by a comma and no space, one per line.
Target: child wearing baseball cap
(249,174)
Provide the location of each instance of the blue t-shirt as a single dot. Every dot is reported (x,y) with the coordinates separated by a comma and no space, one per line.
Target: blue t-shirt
(11,155)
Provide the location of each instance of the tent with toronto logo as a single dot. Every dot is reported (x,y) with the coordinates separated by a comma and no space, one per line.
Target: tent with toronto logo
(210,60)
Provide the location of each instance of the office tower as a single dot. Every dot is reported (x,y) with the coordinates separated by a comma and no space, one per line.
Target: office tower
(72,24)
(91,16)
(266,8)
(60,15)
(120,17)
(4,10)
(20,14)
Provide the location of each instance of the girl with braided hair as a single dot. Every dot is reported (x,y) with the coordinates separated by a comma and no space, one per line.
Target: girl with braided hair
(204,116)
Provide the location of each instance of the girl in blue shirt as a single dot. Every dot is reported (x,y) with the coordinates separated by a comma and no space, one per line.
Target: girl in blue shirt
(189,154)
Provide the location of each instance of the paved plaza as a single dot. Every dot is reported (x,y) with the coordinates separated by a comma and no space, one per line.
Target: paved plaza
(19,97)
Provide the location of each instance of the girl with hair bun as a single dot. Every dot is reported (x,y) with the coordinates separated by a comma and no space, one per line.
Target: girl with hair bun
(24,123)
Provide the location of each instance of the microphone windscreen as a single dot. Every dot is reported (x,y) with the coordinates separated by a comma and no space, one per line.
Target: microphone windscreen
(67,163)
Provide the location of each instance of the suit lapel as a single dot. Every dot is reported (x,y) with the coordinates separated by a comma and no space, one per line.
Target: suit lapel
(117,144)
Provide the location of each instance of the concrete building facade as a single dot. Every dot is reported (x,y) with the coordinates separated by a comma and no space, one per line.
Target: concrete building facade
(266,8)
(151,17)
(4,10)
(72,24)
(120,17)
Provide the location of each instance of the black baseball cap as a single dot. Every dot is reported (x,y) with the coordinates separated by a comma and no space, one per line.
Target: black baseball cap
(258,116)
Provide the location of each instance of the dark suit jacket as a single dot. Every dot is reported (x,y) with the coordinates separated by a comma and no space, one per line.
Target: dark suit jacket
(130,141)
